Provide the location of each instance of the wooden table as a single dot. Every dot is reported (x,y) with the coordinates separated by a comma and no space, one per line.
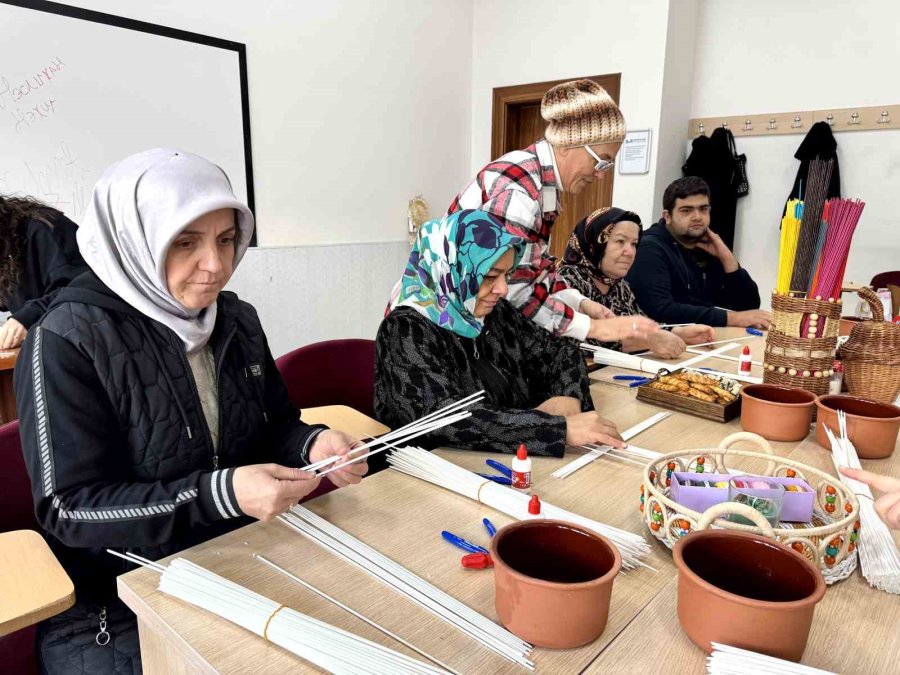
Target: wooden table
(757,347)
(33,585)
(402,517)
(7,393)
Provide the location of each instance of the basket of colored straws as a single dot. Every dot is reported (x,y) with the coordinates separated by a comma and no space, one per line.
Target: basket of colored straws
(871,356)
(806,307)
(829,540)
(801,343)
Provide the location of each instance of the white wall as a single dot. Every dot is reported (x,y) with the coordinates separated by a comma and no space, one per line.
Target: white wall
(773,56)
(355,107)
(522,41)
(675,104)
(319,292)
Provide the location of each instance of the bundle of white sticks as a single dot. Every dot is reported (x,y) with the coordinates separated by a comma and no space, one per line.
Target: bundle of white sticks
(446,416)
(878,554)
(728,660)
(405,582)
(322,644)
(429,467)
(631,453)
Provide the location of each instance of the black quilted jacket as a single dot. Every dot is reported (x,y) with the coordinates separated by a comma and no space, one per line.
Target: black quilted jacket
(421,367)
(114,436)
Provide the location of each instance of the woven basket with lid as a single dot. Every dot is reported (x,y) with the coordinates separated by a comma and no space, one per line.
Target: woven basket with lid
(871,356)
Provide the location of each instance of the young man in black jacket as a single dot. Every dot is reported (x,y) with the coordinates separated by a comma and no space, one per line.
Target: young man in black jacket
(684,272)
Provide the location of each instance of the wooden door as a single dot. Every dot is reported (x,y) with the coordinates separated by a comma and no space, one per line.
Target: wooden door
(518,123)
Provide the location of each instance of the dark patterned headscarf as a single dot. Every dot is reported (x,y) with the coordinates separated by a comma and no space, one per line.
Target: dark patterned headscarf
(587,245)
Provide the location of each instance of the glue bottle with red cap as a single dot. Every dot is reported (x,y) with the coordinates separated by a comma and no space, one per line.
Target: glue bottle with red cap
(745,361)
(521,469)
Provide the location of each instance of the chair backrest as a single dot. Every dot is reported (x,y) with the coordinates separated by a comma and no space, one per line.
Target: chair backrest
(16,513)
(882,280)
(334,372)
(16,504)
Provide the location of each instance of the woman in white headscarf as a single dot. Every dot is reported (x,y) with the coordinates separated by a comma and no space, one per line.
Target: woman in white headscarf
(152,415)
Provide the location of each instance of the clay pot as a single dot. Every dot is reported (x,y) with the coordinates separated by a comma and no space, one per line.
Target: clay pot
(747,591)
(775,412)
(553,581)
(847,324)
(872,426)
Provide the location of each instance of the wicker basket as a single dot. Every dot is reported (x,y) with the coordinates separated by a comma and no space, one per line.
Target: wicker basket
(789,312)
(871,356)
(803,362)
(830,541)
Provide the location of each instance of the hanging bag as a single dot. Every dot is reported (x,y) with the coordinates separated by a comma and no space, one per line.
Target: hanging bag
(740,163)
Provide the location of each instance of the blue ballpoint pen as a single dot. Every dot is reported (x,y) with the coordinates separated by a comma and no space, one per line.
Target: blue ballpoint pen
(459,542)
(505,470)
(755,331)
(489,526)
(500,480)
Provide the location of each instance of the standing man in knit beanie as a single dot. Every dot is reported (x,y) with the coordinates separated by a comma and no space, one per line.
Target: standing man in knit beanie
(584,133)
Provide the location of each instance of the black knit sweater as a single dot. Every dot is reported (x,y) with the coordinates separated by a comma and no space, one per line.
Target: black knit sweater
(421,367)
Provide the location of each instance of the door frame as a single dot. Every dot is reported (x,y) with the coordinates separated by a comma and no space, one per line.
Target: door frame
(533,93)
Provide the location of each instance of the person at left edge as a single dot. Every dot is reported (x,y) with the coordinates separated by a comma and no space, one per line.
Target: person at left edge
(38,256)
(152,415)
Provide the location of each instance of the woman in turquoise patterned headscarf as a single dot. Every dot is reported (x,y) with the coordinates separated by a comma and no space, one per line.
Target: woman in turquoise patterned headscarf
(447,265)
(451,333)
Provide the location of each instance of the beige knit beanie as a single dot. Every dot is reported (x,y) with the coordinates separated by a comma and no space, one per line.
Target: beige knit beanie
(581,113)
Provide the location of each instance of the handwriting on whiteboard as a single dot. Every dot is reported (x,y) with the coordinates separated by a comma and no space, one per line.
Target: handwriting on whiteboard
(27,113)
(61,182)
(37,80)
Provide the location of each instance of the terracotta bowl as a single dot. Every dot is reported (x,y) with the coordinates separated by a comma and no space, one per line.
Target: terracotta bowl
(553,581)
(871,425)
(747,591)
(775,412)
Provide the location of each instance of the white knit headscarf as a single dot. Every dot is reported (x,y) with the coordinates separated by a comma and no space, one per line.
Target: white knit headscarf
(138,207)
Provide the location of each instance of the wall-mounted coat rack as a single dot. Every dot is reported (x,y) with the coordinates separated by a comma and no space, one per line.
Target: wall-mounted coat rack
(778,124)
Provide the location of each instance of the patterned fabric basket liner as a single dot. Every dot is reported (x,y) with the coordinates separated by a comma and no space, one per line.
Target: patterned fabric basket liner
(830,541)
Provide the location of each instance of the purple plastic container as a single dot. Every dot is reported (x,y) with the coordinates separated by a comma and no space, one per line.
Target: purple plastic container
(797,506)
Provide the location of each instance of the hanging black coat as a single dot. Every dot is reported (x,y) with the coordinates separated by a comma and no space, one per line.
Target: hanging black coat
(819,142)
(713,160)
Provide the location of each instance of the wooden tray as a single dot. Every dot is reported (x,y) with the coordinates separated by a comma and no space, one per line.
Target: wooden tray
(692,406)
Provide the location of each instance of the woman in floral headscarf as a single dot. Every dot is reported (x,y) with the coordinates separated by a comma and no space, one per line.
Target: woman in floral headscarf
(599,254)
(450,333)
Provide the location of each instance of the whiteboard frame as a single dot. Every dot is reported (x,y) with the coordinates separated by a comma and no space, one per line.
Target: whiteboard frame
(164,31)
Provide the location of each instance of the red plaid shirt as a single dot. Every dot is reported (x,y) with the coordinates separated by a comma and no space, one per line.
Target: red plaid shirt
(511,188)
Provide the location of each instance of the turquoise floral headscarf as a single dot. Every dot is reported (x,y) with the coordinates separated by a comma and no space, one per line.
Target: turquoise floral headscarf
(447,264)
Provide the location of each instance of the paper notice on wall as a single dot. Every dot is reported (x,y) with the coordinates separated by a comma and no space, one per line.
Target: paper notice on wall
(634,157)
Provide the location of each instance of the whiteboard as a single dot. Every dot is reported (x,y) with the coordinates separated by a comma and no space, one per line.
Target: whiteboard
(80,92)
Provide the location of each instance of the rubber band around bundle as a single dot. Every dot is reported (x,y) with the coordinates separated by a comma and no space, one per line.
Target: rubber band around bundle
(269,620)
(478,494)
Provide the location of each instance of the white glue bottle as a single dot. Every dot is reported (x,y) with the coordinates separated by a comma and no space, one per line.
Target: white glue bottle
(521,469)
(745,361)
